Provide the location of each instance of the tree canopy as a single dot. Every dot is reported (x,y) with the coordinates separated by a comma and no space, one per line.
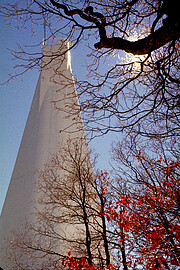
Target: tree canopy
(132,77)
(111,14)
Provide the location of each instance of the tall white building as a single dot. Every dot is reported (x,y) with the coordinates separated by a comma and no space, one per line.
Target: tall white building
(45,129)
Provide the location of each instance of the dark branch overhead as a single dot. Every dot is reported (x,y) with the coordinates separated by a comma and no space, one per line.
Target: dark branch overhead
(150,43)
(118,92)
(169,31)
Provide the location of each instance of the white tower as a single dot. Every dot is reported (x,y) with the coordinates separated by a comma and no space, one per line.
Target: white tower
(45,129)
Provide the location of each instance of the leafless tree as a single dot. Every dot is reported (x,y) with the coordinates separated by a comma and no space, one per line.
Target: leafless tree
(133,68)
(67,221)
(86,216)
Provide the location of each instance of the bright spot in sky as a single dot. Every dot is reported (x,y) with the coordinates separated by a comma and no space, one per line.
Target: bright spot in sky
(136,60)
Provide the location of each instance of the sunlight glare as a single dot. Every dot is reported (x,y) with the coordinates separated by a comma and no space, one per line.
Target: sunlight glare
(135,59)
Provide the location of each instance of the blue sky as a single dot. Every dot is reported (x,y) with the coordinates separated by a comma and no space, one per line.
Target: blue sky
(15,102)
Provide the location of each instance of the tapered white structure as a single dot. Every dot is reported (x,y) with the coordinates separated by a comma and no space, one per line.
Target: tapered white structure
(46,128)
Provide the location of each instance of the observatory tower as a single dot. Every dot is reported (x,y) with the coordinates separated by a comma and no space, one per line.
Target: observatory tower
(45,129)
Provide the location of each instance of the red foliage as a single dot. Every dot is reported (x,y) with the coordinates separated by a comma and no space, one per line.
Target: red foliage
(148,218)
(71,263)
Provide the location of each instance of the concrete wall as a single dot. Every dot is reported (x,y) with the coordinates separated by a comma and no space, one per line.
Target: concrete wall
(46,128)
